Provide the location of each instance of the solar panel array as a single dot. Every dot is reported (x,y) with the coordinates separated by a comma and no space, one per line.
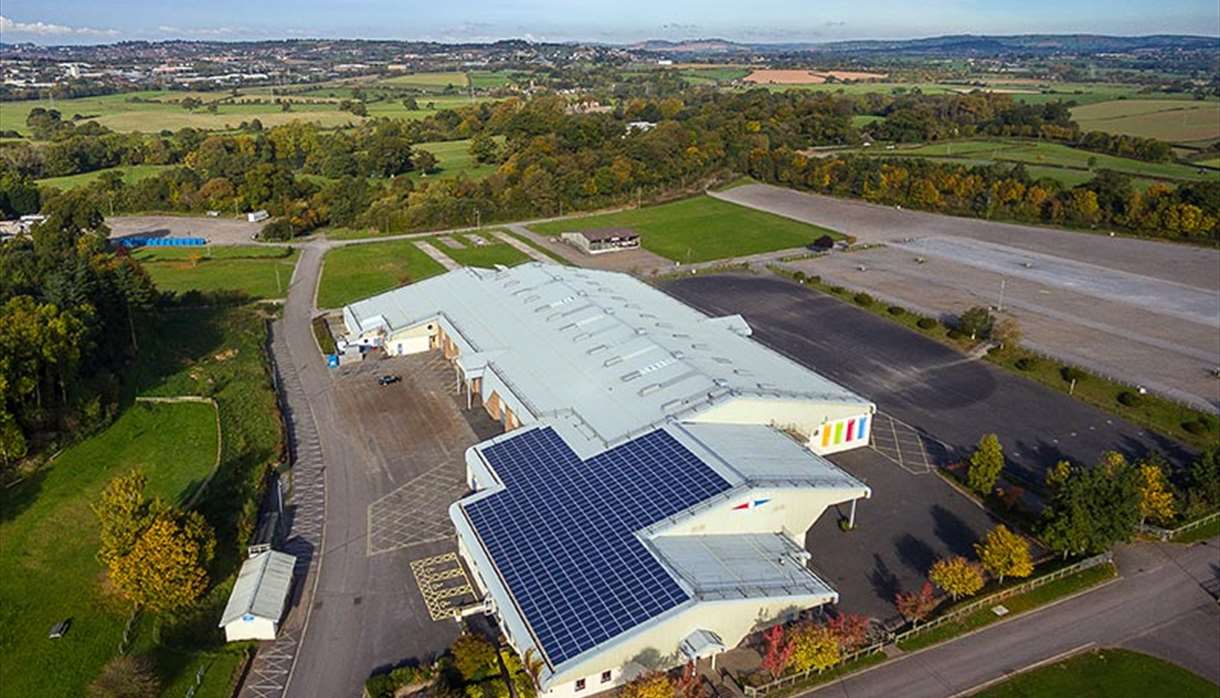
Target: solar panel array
(561,534)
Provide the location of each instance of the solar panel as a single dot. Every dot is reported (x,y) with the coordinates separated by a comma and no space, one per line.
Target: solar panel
(561,534)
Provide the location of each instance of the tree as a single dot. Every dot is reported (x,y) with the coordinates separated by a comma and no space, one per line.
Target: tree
(650,685)
(985,464)
(850,629)
(916,605)
(975,322)
(778,651)
(813,647)
(126,677)
(424,161)
(1204,477)
(1005,554)
(533,663)
(956,576)
(1007,332)
(1156,499)
(166,569)
(123,514)
(1057,474)
(472,655)
(279,229)
(190,103)
(484,148)
(410,104)
(1093,507)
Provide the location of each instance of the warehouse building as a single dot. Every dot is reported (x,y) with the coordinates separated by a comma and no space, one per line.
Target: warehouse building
(602,240)
(659,470)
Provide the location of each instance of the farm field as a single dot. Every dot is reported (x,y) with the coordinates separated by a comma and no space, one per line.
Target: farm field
(48,565)
(130,173)
(155,112)
(1168,120)
(700,229)
(1113,673)
(427,81)
(259,272)
(490,79)
(1048,156)
(717,74)
(487,255)
(354,272)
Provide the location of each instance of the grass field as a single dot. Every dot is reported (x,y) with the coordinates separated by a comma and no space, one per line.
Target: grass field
(490,79)
(1105,673)
(48,568)
(358,271)
(700,229)
(131,174)
(714,75)
(427,81)
(454,159)
(1069,165)
(486,256)
(1167,120)
(259,272)
(157,112)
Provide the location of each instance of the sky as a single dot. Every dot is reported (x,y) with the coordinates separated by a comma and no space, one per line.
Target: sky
(621,21)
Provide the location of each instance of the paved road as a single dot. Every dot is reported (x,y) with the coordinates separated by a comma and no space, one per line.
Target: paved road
(1144,311)
(1159,606)
(922,382)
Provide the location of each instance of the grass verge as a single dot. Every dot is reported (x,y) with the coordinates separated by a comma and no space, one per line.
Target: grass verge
(541,248)
(354,272)
(487,255)
(1204,532)
(1105,672)
(1016,605)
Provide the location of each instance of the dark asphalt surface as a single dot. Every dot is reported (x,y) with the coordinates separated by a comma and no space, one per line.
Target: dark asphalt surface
(922,382)
(1159,606)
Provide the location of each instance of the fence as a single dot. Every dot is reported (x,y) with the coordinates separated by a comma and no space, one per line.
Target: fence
(1168,534)
(955,614)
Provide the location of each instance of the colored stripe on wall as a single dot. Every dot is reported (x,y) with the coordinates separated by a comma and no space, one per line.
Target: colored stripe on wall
(838,433)
(860,427)
(851,429)
(825,435)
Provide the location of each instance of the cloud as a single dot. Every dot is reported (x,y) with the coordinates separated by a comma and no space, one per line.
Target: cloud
(45,29)
(203,31)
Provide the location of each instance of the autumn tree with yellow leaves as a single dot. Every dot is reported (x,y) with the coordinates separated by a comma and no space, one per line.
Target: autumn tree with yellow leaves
(1156,498)
(957,576)
(813,647)
(1005,554)
(653,685)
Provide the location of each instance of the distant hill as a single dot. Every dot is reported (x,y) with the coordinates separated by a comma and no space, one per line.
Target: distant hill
(952,45)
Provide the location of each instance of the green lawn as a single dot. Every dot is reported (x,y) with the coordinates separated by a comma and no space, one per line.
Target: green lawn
(486,256)
(491,79)
(1105,673)
(427,80)
(48,543)
(354,272)
(131,174)
(700,229)
(454,159)
(259,272)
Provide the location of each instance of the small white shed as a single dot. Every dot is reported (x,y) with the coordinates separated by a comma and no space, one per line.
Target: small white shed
(259,597)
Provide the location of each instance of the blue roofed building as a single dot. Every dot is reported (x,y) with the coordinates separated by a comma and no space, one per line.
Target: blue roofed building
(650,498)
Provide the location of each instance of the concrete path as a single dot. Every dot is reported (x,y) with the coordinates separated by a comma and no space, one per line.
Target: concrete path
(437,255)
(1159,606)
(533,253)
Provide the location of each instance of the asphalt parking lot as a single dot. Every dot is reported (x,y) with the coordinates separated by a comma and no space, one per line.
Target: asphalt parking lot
(911,520)
(404,447)
(921,382)
(217,231)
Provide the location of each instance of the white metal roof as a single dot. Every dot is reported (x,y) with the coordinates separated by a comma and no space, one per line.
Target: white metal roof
(599,355)
(759,454)
(262,588)
(746,565)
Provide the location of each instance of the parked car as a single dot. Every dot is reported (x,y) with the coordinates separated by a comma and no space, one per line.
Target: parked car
(388,380)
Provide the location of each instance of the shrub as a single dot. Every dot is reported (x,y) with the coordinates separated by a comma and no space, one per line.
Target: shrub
(926,323)
(126,677)
(1071,373)
(472,656)
(1129,398)
(1196,427)
(955,334)
(279,229)
(799,277)
(838,290)
(896,310)
(814,279)
(1026,363)
(863,299)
